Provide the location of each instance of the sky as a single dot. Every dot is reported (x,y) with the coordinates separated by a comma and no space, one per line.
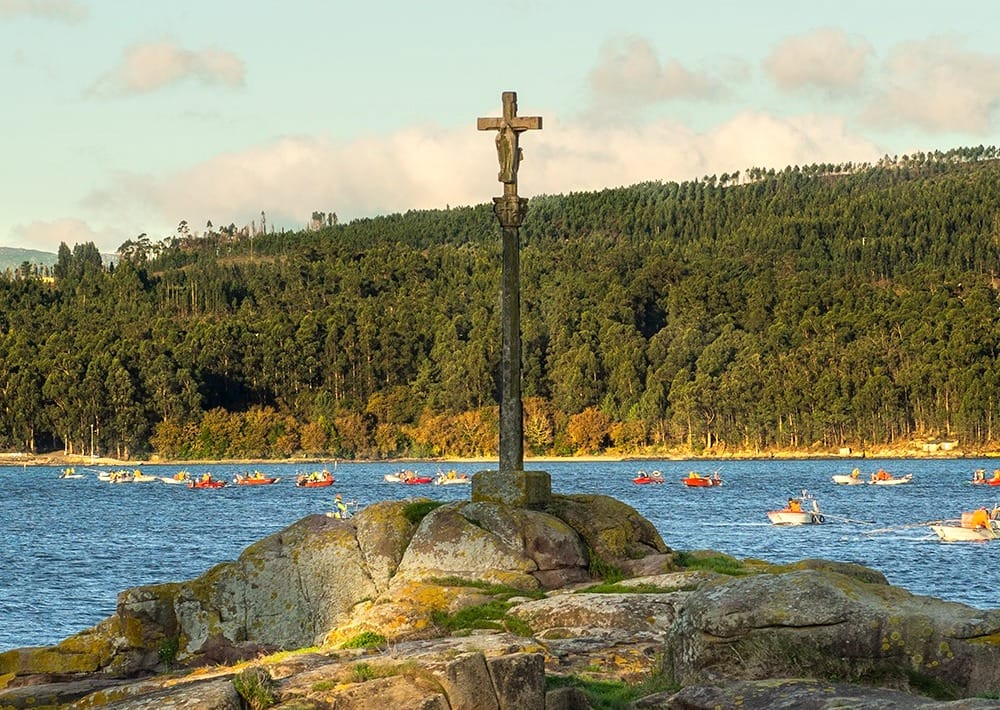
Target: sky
(124,118)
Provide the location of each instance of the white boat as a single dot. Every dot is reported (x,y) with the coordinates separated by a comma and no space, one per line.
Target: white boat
(894,481)
(451,478)
(958,533)
(70,473)
(846,479)
(117,476)
(140,477)
(181,478)
(787,516)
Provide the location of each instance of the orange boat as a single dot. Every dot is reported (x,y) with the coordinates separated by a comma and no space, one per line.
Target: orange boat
(206,481)
(254,479)
(696,480)
(644,478)
(979,477)
(319,479)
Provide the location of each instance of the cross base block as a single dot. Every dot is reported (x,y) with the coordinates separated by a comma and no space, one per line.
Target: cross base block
(522,489)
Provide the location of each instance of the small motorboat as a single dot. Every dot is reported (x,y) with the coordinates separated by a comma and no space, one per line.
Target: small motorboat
(70,473)
(255,479)
(179,478)
(696,480)
(120,476)
(140,477)
(884,478)
(452,478)
(316,479)
(206,481)
(979,478)
(849,479)
(644,478)
(974,526)
(409,477)
(957,533)
(795,514)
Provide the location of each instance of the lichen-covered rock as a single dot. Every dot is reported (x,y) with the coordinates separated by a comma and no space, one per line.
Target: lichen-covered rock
(383,533)
(519,680)
(404,611)
(284,591)
(850,569)
(448,543)
(614,531)
(89,651)
(579,614)
(211,694)
(830,625)
(797,694)
(466,682)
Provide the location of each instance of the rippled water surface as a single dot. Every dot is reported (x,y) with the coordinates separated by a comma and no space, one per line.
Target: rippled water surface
(67,547)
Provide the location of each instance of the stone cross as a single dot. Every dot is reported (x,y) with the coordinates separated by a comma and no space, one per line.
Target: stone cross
(508,128)
(510,210)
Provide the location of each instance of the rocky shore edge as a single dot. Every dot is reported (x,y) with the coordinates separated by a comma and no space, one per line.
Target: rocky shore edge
(580,604)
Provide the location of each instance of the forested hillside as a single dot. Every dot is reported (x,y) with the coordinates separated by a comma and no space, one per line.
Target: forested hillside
(823,306)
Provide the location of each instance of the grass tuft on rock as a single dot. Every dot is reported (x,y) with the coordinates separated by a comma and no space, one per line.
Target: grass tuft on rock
(603,570)
(613,695)
(491,615)
(609,588)
(723,564)
(256,686)
(366,639)
(502,591)
(416,512)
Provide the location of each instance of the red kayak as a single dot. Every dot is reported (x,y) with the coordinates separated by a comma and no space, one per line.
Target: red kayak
(211,483)
(416,479)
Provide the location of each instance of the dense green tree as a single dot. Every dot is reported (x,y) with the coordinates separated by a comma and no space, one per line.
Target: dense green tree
(823,305)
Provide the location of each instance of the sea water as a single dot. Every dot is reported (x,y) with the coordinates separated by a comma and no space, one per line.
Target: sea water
(67,547)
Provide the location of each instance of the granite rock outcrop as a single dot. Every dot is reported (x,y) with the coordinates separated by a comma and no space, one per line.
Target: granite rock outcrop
(478,604)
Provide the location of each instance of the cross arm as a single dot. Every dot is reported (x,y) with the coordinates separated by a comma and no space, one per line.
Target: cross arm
(518,123)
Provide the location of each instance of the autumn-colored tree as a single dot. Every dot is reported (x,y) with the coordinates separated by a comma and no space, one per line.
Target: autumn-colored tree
(588,430)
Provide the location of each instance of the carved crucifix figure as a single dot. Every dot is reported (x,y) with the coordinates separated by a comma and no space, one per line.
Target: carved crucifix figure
(510,210)
(508,128)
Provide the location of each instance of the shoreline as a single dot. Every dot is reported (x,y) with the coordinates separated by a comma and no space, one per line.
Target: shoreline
(60,459)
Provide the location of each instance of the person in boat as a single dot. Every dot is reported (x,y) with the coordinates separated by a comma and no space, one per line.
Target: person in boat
(979,474)
(996,474)
(794,506)
(856,472)
(206,477)
(980,519)
(693,474)
(716,477)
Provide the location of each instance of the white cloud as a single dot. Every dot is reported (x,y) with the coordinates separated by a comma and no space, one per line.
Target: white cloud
(64,10)
(826,59)
(937,86)
(629,71)
(428,168)
(46,236)
(151,66)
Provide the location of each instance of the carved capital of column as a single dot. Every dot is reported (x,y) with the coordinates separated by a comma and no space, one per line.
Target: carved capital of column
(510,210)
